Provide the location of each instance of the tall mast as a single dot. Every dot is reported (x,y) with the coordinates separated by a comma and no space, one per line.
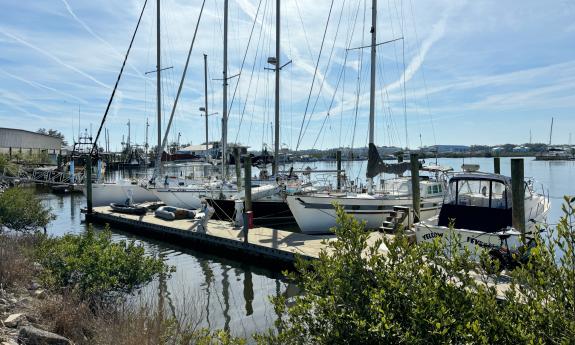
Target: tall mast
(225,100)
(129,132)
(147,126)
(158,82)
(277,94)
(372,84)
(206,98)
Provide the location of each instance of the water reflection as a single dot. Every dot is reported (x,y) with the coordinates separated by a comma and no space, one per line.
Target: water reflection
(229,294)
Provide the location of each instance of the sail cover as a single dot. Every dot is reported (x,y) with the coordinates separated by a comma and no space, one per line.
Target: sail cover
(376,166)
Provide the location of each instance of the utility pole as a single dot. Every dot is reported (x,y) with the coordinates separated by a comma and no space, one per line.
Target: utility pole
(225,96)
(372,85)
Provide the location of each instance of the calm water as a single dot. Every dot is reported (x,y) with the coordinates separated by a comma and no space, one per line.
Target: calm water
(230,294)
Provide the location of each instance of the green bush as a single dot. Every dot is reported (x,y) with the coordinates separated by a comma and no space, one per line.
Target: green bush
(95,267)
(21,210)
(414,294)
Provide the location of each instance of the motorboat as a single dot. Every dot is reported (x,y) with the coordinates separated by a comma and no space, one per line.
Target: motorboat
(478,209)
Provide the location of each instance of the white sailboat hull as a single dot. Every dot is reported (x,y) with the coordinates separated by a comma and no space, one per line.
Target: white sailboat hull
(105,193)
(182,198)
(316,214)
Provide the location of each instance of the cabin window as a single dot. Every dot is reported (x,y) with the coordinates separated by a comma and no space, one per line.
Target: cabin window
(429,190)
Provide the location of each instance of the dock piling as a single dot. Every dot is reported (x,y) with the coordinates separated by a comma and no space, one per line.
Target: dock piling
(415,186)
(338,159)
(238,164)
(248,215)
(497,165)
(89,184)
(518,195)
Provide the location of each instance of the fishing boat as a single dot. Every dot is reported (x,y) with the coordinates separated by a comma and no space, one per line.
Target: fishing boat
(478,208)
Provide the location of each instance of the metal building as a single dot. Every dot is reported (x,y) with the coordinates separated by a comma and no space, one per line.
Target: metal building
(14,141)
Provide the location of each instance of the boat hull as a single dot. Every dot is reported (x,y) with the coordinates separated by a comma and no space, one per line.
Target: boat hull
(316,214)
(182,198)
(103,194)
(266,213)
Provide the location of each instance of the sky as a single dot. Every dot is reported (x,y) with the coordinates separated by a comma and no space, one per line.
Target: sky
(458,72)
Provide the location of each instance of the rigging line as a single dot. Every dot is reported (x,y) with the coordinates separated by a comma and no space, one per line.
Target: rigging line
(358,89)
(404,93)
(252,71)
(423,73)
(303,29)
(244,58)
(348,40)
(118,80)
(314,74)
(159,156)
(326,71)
(332,99)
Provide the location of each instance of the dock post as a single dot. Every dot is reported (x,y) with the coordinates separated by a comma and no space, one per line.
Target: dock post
(518,195)
(248,215)
(415,186)
(497,165)
(89,184)
(238,160)
(338,159)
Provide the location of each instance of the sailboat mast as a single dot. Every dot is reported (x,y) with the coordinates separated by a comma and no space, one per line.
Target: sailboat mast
(158,82)
(277,94)
(372,84)
(206,98)
(225,96)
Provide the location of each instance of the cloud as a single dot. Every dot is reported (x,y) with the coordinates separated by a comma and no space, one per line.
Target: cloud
(53,57)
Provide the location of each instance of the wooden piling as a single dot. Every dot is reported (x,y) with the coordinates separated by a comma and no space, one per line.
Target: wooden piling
(497,165)
(416,196)
(89,184)
(238,160)
(247,196)
(338,159)
(518,195)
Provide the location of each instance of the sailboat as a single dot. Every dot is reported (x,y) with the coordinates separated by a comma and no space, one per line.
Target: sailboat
(315,213)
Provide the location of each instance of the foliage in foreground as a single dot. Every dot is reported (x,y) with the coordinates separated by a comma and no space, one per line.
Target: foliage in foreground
(21,210)
(417,295)
(95,267)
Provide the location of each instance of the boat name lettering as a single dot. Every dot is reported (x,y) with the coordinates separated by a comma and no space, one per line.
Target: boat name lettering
(432,235)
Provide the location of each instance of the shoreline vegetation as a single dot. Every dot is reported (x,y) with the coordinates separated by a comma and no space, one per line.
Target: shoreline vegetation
(83,289)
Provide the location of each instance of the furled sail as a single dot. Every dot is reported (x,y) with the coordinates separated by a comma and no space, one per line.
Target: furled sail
(376,166)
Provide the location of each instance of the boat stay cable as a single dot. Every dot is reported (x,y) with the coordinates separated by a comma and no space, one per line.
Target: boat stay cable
(314,76)
(117,80)
(161,150)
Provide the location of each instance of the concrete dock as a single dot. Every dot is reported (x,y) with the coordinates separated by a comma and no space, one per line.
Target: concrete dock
(277,245)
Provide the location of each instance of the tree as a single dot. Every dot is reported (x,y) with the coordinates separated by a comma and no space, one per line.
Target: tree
(21,210)
(53,133)
(416,294)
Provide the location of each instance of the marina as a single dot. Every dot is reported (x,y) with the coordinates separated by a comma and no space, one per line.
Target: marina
(166,166)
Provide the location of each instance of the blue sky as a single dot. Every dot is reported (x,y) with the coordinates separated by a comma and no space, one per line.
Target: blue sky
(476,72)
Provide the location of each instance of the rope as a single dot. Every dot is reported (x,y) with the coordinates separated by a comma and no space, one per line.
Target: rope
(244,59)
(118,80)
(314,75)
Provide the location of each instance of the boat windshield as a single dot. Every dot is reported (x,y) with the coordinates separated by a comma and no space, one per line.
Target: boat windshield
(479,193)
